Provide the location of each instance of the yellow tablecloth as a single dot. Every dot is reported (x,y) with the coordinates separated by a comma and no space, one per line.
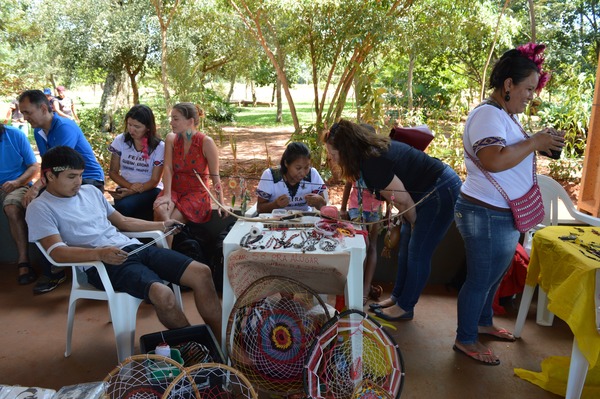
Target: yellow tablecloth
(568,277)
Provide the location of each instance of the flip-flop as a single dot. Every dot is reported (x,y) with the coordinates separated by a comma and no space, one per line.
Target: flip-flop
(502,334)
(473,355)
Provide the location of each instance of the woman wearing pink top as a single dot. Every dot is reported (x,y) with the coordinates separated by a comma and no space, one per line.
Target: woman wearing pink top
(357,199)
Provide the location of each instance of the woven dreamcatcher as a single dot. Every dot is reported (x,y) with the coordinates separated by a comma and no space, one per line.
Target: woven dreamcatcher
(210,381)
(271,328)
(141,377)
(353,357)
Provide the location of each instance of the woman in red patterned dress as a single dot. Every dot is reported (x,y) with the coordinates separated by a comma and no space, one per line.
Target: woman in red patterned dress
(187,150)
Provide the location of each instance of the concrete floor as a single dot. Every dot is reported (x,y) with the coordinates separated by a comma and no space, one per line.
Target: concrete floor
(33,344)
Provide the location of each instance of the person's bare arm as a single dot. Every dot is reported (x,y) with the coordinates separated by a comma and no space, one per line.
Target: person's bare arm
(497,158)
(396,194)
(28,175)
(211,153)
(65,253)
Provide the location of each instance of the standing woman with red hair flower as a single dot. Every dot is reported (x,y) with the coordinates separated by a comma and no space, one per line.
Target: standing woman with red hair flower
(500,161)
(136,164)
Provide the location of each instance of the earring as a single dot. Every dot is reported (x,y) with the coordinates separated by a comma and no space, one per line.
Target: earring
(507,96)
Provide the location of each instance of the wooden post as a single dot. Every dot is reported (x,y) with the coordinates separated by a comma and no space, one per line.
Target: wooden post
(589,194)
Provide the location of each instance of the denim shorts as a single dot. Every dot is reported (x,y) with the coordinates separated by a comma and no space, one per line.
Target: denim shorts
(141,270)
(368,216)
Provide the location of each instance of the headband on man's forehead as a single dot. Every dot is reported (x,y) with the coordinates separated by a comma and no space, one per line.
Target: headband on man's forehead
(57,169)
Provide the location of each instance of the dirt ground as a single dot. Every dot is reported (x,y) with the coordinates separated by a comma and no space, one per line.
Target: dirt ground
(255,150)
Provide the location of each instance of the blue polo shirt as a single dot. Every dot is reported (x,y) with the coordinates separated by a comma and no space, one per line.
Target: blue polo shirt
(64,131)
(15,153)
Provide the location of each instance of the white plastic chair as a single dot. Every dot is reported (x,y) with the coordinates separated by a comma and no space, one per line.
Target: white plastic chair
(122,306)
(552,194)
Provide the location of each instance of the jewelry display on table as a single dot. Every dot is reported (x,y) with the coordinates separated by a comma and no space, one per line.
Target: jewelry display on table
(327,244)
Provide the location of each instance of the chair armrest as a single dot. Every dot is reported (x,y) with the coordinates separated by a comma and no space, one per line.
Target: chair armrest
(592,221)
(92,263)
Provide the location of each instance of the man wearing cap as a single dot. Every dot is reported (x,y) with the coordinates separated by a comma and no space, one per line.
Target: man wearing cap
(63,105)
(52,130)
(50,98)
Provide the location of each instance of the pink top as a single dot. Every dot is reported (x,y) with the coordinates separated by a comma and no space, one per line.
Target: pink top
(369,202)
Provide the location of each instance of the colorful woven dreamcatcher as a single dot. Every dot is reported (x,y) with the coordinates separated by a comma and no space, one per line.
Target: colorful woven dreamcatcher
(271,328)
(350,350)
(141,377)
(210,381)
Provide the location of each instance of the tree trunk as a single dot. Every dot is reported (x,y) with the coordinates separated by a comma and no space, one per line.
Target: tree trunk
(409,81)
(487,62)
(532,20)
(163,69)
(134,88)
(107,101)
(279,117)
(231,86)
(253,90)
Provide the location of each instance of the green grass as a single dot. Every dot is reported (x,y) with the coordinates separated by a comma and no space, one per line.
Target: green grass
(265,116)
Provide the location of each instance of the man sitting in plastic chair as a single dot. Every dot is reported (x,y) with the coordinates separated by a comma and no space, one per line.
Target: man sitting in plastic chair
(75,223)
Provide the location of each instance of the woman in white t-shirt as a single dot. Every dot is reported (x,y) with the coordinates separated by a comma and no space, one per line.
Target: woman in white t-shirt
(294,185)
(136,164)
(496,146)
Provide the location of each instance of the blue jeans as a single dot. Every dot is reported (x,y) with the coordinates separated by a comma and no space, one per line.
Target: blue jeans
(490,240)
(138,205)
(434,217)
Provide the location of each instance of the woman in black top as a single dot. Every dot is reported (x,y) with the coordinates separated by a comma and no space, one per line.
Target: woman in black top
(423,188)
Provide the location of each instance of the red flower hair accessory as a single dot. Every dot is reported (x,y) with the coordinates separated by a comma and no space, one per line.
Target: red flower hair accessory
(534,53)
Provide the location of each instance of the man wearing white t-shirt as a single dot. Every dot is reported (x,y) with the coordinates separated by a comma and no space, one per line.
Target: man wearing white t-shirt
(75,223)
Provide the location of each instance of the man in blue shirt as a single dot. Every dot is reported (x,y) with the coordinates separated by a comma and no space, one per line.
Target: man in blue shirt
(51,130)
(17,169)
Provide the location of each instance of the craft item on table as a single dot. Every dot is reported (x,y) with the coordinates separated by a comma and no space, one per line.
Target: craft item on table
(211,381)
(330,212)
(270,329)
(328,245)
(333,371)
(141,376)
(256,229)
(251,242)
(330,228)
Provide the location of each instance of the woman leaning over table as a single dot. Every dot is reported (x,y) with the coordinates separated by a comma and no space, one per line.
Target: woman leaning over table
(423,188)
(188,151)
(136,164)
(494,139)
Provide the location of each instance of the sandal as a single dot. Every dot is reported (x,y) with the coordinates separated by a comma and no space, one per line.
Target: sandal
(27,278)
(501,334)
(477,356)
